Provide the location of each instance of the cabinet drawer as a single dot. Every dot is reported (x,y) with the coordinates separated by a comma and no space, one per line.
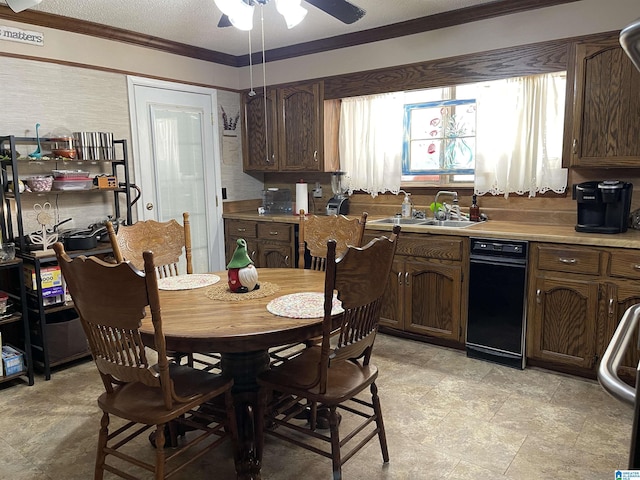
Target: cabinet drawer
(275,231)
(569,260)
(445,248)
(625,264)
(241,228)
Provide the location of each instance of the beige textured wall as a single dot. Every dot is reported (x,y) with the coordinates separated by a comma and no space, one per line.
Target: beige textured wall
(61,98)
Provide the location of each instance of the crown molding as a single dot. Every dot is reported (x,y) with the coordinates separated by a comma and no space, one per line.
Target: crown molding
(433,22)
(59,22)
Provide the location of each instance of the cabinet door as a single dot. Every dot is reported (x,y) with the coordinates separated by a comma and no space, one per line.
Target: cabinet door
(260,132)
(301,145)
(391,314)
(274,255)
(433,298)
(620,297)
(563,316)
(606,111)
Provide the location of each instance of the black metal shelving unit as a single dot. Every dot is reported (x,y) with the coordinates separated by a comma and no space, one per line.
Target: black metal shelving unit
(16,321)
(10,169)
(49,326)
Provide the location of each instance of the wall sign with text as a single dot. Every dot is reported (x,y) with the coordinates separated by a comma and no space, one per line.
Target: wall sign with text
(12,34)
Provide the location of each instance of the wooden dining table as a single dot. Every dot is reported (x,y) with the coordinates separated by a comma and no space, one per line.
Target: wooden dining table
(242,330)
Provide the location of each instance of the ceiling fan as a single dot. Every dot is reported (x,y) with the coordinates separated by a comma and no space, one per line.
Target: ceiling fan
(342,10)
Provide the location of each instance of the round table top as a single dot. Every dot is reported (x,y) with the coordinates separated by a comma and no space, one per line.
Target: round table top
(194,322)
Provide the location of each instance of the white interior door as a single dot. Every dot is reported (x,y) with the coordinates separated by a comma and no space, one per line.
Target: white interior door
(176,162)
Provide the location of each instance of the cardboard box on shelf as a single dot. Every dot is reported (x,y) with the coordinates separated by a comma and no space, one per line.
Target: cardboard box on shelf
(51,282)
(12,360)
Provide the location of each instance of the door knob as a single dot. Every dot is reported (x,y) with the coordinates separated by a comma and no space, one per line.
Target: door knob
(149,206)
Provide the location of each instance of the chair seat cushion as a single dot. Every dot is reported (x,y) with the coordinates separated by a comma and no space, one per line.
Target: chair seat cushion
(345,379)
(144,404)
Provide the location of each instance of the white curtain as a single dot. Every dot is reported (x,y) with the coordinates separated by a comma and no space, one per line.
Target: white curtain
(371,130)
(519,136)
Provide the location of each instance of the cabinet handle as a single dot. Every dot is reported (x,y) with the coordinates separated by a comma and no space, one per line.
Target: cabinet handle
(253,255)
(399,278)
(315,155)
(538,296)
(273,233)
(242,229)
(575,145)
(636,267)
(406,278)
(569,261)
(611,306)
(286,260)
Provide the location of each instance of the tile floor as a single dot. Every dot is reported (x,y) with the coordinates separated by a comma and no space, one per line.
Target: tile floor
(446,416)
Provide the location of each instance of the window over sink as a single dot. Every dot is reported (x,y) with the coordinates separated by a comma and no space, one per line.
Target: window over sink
(499,136)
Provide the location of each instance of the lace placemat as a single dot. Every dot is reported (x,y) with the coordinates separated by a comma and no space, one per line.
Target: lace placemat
(302,305)
(222,292)
(188,282)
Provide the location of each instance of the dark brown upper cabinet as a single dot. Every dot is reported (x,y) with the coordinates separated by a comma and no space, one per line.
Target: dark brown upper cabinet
(291,140)
(260,137)
(605,124)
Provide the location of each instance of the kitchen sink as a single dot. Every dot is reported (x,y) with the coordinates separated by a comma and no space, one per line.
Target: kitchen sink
(402,221)
(427,222)
(450,223)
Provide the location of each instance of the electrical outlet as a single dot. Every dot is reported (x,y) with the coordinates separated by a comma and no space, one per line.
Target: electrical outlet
(317,192)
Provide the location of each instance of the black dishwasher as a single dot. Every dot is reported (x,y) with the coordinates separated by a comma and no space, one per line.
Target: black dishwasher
(497,301)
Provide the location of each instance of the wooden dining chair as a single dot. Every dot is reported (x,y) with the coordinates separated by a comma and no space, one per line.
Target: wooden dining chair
(333,373)
(314,232)
(167,240)
(111,300)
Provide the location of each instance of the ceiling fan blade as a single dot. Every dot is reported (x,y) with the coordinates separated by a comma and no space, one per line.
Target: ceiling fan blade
(340,9)
(224,21)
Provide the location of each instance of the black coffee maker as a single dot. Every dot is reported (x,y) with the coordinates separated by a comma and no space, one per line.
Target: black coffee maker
(603,206)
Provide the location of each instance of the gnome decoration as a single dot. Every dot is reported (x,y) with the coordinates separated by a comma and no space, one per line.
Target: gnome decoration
(242,274)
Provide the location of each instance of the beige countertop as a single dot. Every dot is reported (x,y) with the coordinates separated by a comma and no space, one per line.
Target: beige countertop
(564,234)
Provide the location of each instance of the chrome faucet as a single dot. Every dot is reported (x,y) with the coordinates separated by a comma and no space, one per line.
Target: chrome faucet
(445,213)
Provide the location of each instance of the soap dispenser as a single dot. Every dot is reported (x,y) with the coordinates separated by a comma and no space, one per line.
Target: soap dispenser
(407,206)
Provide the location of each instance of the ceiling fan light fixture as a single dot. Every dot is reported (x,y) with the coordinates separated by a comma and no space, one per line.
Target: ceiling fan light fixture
(239,12)
(292,12)
(20,5)
(227,7)
(242,16)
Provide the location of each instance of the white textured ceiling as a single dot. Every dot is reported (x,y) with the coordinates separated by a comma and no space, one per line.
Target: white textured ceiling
(194,22)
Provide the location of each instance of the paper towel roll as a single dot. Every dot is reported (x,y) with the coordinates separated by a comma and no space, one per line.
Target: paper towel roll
(302,198)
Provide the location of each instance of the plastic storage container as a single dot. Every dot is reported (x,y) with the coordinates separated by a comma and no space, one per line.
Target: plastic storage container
(65,174)
(39,183)
(72,183)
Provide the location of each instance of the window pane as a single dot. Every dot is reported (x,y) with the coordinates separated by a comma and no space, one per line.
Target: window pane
(426,123)
(440,137)
(425,154)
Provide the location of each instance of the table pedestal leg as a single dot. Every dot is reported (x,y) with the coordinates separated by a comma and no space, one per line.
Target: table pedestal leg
(243,368)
